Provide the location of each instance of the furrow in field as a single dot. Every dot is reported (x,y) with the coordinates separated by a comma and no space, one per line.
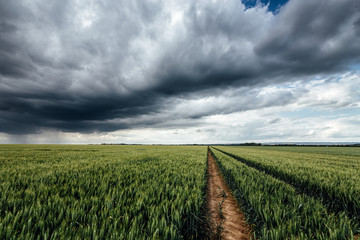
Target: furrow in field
(225,218)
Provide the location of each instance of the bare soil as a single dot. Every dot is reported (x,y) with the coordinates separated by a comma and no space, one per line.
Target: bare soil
(225,217)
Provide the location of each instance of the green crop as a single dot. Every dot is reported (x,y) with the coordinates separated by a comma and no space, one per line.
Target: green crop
(101,192)
(158,192)
(277,210)
(330,174)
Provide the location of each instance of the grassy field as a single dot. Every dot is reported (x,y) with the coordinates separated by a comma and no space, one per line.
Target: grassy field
(331,174)
(325,181)
(159,192)
(277,209)
(101,192)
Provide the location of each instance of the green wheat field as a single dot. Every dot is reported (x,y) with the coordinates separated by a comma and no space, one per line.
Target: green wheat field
(159,192)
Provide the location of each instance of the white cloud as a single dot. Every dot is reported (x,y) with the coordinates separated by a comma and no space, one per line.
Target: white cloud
(333,92)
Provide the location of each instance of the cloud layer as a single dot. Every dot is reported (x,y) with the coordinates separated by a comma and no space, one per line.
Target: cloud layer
(91,66)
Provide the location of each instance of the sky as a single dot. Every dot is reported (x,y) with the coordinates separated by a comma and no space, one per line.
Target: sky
(180,71)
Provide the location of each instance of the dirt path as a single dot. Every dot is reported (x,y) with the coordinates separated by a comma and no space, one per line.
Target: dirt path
(226,219)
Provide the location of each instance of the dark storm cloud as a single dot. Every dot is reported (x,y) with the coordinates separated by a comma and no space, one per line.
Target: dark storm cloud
(89,66)
(312,37)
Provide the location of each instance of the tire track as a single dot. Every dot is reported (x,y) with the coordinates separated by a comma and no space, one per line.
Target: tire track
(225,218)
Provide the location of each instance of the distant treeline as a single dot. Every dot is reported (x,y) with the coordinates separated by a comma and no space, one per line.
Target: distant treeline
(314,145)
(240,144)
(252,144)
(118,144)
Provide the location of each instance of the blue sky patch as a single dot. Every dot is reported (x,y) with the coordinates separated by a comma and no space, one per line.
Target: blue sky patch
(274,5)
